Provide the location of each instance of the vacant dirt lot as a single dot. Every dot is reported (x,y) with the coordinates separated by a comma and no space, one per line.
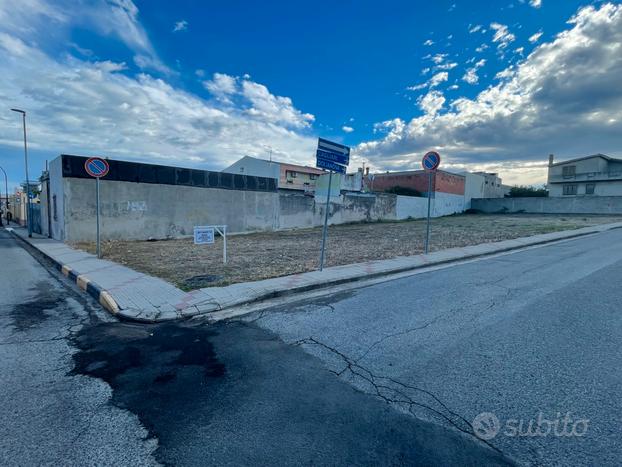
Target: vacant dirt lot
(264,255)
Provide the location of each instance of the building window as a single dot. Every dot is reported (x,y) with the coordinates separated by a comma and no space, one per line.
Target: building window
(293,174)
(569,171)
(312,176)
(589,188)
(570,189)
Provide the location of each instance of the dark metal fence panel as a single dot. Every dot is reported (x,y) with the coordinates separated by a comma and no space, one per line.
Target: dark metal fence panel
(35,210)
(122,171)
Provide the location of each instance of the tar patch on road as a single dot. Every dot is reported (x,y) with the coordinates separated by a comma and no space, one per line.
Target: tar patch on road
(234,394)
(113,351)
(35,311)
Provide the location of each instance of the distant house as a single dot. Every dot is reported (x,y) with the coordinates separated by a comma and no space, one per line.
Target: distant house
(443,182)
(288,176)
(596,175)
(447,187)
(493,188)
(482,185)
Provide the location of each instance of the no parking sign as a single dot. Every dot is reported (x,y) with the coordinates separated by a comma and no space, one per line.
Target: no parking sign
(97,167)
(430,162)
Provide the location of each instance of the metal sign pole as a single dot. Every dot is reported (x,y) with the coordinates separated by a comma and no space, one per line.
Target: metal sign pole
(99,254)
(427,233)
(330,182)
(224,245)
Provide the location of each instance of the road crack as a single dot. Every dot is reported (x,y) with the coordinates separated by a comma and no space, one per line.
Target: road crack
(395,392)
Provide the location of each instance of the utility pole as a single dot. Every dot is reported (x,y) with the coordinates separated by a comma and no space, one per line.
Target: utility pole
(6,187)
(29,212)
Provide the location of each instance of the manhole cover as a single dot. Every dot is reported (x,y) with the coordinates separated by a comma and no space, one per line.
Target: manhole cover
(202,280)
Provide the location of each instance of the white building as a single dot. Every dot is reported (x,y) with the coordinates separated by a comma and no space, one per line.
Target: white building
(596,175)
(288,176)
(479,185)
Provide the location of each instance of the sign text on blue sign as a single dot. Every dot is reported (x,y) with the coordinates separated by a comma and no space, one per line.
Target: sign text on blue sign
(330,165)
(332,156)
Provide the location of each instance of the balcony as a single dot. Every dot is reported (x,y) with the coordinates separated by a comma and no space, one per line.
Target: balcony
(587,177)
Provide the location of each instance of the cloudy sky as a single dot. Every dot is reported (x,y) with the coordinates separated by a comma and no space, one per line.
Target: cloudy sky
(200,84)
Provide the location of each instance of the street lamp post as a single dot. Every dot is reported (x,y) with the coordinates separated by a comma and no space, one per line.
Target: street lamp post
(6,187)
(29,214)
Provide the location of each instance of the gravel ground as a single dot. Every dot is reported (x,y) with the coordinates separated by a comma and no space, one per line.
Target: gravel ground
(271,254)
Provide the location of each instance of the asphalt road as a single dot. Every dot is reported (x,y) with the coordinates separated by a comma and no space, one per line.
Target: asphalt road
(531,340)
(79,388)
(49,415)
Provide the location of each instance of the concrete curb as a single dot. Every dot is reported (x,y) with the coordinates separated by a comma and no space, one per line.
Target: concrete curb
(214,299)
(103,297)
(488,249)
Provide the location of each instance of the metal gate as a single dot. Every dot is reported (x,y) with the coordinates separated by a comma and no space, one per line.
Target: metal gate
(35,209)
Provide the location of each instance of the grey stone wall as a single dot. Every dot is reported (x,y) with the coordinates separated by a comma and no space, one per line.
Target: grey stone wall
(566,205)
(138,211)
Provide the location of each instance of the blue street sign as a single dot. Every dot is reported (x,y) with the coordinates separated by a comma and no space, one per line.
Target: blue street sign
(330,165)
(337,157)
(329,146)
(431,160)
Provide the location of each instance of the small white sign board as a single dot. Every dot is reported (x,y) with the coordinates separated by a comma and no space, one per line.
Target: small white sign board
(203,235)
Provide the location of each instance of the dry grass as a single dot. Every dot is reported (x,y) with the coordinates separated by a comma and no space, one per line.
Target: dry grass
(272,254)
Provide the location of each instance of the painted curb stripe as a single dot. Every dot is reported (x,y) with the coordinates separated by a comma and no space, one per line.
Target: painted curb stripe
(106,300)
(82,282)
(103,298)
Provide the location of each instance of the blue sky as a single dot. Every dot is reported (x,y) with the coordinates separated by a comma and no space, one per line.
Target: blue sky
(203,83)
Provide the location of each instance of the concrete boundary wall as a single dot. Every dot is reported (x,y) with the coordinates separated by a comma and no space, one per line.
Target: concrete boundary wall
(554,205)
(138,211)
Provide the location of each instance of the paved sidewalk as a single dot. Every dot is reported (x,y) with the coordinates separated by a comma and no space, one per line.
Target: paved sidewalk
(136,296)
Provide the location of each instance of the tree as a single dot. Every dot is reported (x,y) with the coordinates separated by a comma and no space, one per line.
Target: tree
(521,191)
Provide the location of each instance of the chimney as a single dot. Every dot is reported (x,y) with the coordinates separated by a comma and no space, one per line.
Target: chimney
(366,170)
(551,158)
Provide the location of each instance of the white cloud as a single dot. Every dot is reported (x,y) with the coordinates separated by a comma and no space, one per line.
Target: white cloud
(91,107)
(564,98)
(533,3)
(273,109)
(432,102)
(428,42)
(438,58)
(33,20)
(470,75)
(180,26)
(453,87)
(502,36)
(221,86)
(534,38)
(507,73)
(481,48)
(475,28)
(438,78)
(434,81)
(447,66)
(347,129)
